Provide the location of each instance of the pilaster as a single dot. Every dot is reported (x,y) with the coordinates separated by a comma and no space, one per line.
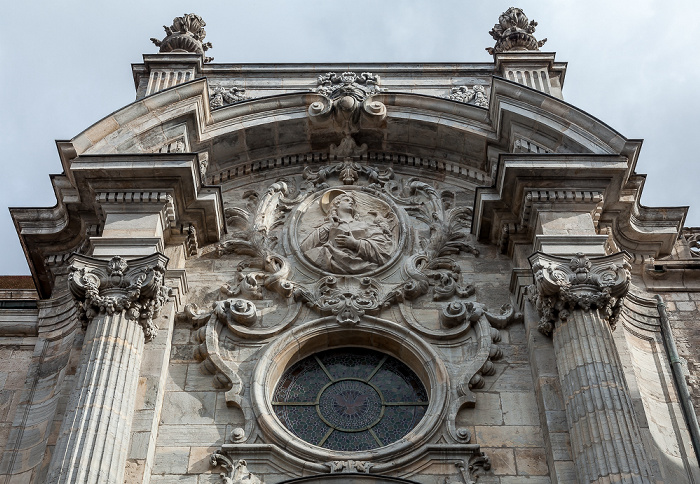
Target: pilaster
(117,301)
(165,70)
(579,299)
(536,70)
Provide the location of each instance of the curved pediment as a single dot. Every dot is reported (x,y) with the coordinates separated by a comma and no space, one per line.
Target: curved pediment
(415,124)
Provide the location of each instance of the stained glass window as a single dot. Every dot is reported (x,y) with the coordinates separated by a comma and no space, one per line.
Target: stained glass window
(350,399)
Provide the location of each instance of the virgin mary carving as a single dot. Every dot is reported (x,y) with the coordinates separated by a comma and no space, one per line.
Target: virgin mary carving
(350,242)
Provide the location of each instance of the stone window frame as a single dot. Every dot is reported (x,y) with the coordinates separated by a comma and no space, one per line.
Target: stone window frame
(373,333)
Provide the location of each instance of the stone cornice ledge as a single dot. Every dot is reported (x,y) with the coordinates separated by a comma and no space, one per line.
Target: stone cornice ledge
(49,231)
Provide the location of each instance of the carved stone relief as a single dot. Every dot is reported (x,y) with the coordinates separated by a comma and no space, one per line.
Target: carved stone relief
(220,96)
(236,472)
(475,94)
(348,232)
(346,104)
(356,247)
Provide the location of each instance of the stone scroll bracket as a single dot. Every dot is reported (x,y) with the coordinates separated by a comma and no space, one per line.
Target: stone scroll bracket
(346,104)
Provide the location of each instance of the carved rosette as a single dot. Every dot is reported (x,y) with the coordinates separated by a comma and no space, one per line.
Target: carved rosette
(107,287)
(513,32)
(564,284)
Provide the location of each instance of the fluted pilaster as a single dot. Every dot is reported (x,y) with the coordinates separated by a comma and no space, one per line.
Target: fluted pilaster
(117,301)
(579,300)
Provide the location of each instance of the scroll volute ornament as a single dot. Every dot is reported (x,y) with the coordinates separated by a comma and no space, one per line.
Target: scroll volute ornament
(135,288)
(565,284)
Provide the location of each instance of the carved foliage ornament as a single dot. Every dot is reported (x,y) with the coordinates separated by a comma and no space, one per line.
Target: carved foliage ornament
(345,466)
(476,94)
(563,285)
(186,34)
(236,472)
(220,96)
(513,32)
(137,288)
(358,86)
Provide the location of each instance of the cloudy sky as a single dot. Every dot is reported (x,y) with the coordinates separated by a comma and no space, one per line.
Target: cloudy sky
(64,65)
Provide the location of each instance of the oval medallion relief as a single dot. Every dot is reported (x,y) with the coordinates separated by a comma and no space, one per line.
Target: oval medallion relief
(347,232)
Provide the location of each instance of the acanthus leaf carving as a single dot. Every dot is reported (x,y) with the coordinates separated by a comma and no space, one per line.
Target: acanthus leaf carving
(257,242)
(359,86)
(115,286)
(563,285)
(431,268)
(348,299)
(348,172)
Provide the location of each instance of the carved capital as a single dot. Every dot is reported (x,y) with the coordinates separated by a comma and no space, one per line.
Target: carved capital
(135,288)
(565,284)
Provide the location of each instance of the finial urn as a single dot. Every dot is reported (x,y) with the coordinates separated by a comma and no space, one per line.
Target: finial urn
(186,34)
(513,32)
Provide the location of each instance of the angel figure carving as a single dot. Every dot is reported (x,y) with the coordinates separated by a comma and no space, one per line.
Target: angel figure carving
(348,242)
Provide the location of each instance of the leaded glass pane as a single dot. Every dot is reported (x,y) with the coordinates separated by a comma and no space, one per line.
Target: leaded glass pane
(350,399)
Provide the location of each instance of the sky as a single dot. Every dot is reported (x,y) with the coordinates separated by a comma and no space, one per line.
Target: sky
(65,65)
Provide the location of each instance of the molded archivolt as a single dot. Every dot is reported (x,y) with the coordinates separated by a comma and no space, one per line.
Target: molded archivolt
(265,133)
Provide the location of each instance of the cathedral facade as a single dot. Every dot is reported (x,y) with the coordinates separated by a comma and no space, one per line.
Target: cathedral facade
(361,273)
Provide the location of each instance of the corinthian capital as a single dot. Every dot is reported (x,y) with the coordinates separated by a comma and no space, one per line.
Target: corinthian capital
(111,286)
(563,284)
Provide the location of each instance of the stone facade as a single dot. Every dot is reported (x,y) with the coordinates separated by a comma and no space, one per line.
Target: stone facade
(350,273)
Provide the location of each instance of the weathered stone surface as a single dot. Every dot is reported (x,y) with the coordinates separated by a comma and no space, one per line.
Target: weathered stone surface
(309,208)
